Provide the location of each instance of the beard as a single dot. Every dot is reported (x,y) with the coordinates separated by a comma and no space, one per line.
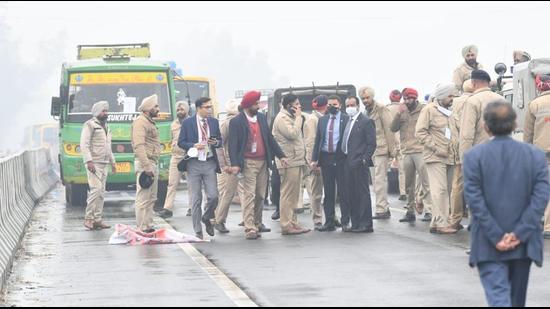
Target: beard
(472,62)
(153,114)
(253,112)
(182,116)
(412,106)
(102,118)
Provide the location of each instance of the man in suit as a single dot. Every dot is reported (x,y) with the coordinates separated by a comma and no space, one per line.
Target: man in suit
(327,146)
(506,186)
(251,151)
(358,147)
(203,133)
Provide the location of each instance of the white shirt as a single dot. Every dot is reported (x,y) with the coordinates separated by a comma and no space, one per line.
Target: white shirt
(353,119)
(207,153)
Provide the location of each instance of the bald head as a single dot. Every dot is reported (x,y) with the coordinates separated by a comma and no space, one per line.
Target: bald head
(500,118)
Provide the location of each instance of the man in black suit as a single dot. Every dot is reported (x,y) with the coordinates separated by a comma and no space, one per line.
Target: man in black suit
(358,146)
(325,154)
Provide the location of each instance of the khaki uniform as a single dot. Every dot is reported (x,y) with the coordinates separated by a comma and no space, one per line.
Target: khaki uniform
(537,132)
(385,149)
(394,109)
(313,180)
(411,148)
(457,193)
(227,183)
(287,131)
(146,144)
(174,175)
(463,73)
(434,132)
(472,131)
(95,145)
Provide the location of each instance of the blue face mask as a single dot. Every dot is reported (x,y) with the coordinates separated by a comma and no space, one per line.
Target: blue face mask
(352,111)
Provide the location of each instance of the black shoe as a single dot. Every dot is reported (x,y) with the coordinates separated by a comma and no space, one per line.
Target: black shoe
(275,216)
(242,223)
(263,229)
(402,197)
(209,226)
(384,215)
(427,218)
(546,235)
(221,228)
(299,210)
(149,230)
(337,223)
(408,218)
(165,213)
(317,226)
(188,212)
(327,228)
(199,235)
(362,230)
(346,229)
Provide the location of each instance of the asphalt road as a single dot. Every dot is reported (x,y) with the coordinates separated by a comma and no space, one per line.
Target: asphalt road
(398,265)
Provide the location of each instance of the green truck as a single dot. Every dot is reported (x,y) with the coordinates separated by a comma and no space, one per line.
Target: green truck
(123,75)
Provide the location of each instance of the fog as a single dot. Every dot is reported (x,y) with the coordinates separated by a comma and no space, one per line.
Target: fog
(261,45)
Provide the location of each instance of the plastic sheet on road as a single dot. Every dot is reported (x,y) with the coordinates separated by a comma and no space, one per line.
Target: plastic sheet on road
(125,235)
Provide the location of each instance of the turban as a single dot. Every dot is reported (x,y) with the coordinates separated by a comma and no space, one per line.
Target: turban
(410,93)
(99,107)
(250,98)
(368,90)
(395,96)
(467,86)
(469,48)
(522,54)
(319,102)
(232,107)
(481,75)
(184,105)
(543,82)
(443,91)
(148,103)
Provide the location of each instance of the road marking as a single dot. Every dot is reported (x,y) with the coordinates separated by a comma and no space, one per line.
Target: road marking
(237,296)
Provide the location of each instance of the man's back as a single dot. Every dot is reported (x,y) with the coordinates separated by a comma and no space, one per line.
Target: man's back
(508,179)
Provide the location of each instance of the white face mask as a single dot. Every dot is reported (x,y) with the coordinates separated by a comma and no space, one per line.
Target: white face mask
(352,111)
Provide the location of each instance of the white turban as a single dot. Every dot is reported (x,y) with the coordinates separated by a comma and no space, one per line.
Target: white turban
(148,103)
(469,48)
(368,90)
(522,54)
(184,105)
(232,107)
(443,91)
(99,107)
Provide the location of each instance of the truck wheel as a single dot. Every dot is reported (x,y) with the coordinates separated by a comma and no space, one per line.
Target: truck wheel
(161,195)
(76,195)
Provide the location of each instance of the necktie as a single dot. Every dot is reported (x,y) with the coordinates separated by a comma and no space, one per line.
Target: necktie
(331,135)
(204,130)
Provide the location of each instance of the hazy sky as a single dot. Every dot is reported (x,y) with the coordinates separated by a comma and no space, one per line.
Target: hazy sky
(246,45)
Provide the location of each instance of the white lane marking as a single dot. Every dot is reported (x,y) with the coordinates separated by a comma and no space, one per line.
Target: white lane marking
(237,296)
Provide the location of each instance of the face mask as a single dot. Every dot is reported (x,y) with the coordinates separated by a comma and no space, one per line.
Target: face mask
(333,110)
(351,111)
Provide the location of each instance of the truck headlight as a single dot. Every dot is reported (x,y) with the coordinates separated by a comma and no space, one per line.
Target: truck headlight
(72,149)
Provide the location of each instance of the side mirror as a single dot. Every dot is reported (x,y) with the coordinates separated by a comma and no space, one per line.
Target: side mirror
(500,69)
(56,107)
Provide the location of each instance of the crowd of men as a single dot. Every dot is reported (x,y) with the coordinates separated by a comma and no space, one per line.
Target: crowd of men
(336,151)
(331,152)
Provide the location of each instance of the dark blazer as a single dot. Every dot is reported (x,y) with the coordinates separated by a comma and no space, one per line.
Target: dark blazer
(506,186)
(238,138)
(189,135)
(362,142)
(322,132)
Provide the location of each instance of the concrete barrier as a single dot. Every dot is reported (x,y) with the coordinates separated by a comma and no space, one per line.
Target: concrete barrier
(24,179)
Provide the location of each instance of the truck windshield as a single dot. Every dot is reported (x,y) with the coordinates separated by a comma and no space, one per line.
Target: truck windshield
(123,91)
(197,89)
